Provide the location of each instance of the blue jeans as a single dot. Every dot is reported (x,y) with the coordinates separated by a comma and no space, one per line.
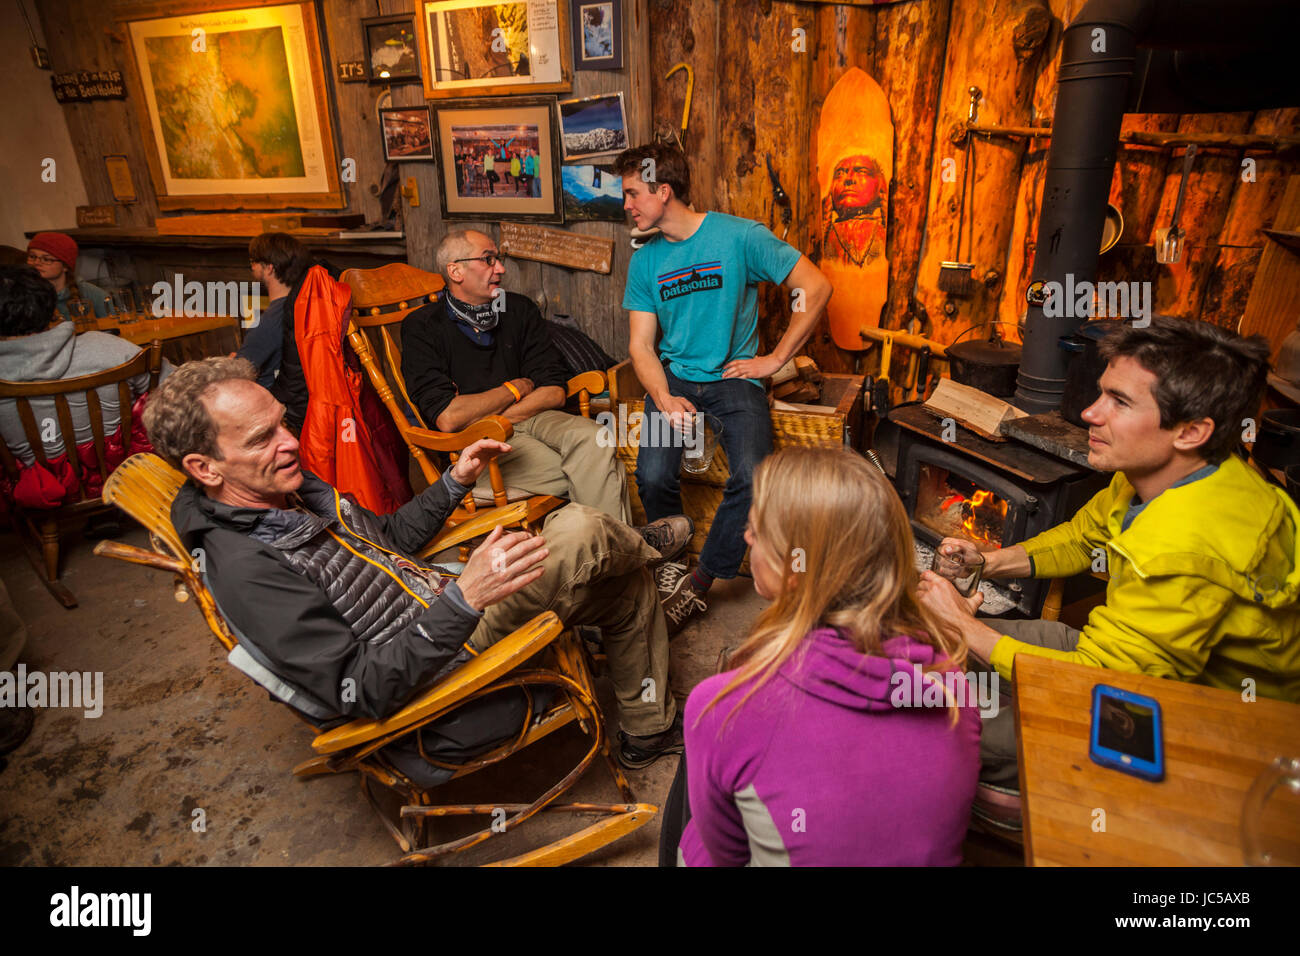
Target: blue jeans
(747,439)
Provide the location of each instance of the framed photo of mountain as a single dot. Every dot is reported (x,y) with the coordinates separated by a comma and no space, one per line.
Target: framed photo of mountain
(594,126)
(597,34)
(592,194)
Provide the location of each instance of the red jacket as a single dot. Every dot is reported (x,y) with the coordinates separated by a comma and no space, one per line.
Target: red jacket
(342,441)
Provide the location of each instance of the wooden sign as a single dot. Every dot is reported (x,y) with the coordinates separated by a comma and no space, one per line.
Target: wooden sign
(855,166)
(119,178)
(569,249)
(96,216)
(86,85)
(352,71)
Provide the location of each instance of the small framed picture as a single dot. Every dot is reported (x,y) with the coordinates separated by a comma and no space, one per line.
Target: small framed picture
(592,194)
(407,134)
(499,159)
(392,49)
(597,34)
(594,126)
(494,47)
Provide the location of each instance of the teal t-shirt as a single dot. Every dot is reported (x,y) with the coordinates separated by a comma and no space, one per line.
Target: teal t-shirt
(704,291)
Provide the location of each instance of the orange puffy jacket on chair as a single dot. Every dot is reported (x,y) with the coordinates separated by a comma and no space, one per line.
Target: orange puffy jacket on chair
(337,444)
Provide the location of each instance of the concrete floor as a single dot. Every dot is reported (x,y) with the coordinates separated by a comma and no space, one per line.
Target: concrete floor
(182,731)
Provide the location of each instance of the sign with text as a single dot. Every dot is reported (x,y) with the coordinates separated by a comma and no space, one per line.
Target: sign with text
(352,71)
(85,85)
(569,249)
(96,216)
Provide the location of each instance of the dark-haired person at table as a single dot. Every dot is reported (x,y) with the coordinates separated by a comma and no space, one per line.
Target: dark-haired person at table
(277,261)
(1202,552)
(54,256)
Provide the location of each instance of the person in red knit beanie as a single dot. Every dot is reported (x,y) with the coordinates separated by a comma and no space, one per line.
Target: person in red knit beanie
(54,256)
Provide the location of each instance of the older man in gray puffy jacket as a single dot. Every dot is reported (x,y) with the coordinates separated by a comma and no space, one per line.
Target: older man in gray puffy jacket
(327,596)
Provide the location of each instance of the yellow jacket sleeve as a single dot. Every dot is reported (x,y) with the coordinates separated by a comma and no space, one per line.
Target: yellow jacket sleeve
(1068,548)
(1161,627)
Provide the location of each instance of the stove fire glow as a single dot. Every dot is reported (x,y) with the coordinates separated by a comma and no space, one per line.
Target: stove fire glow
(955,507)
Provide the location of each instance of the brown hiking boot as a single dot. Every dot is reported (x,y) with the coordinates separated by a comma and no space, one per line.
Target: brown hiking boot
(669,536)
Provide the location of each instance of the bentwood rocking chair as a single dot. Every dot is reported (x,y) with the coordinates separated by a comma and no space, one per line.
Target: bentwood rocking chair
(145,486)
(39,529)
(381,299)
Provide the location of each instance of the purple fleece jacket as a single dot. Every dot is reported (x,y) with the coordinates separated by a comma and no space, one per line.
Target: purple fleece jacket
(818,768)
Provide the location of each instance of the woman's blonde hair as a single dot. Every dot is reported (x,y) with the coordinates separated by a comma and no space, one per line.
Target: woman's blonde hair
(844,547)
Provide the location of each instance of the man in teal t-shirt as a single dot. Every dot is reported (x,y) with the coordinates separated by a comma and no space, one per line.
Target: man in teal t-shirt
(695,284)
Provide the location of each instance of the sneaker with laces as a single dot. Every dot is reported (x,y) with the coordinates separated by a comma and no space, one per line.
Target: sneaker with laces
(667,574)
(681,603)
(635,753)
(669,536)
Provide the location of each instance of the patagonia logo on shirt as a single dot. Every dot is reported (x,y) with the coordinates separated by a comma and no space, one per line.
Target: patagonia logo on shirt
(694,278)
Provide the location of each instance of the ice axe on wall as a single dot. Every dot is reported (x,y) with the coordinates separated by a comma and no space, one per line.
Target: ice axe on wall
(686,108)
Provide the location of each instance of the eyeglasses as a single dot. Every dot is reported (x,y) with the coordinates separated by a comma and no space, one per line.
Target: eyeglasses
(489,259)
(42,260)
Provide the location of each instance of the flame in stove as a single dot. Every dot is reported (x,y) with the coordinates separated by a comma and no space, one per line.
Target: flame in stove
(982,516)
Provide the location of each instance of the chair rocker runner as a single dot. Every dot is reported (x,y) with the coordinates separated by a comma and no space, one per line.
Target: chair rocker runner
(144,487)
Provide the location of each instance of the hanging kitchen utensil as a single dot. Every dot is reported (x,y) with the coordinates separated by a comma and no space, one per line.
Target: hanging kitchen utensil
(1169,242)
(958,278)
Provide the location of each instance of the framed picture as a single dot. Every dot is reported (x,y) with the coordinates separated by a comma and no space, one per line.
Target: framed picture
(492,47)
(593,126)
(597,34)
(592,194)
(392,49)
(499,159)
(408,135)
(232,104)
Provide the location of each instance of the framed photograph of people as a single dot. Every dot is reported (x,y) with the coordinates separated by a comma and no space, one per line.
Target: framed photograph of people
(499,159)
(593,127)
(392,49)
(232,102)
(597,34)
(493,47)
(408,134)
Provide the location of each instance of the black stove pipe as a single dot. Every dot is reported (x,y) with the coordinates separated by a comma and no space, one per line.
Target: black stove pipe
(1099,52)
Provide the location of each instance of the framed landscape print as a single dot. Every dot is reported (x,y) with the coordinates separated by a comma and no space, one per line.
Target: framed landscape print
(392,49)
(592,194)
(487,48)
(594,126)
(597,34)
(407,134)
(233,106)
(499,159)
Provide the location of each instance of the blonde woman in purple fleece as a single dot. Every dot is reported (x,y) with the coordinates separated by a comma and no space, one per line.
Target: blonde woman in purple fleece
(799,756)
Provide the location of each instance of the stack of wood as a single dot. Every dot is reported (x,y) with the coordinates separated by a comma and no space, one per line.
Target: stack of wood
(797,382)
(972,409)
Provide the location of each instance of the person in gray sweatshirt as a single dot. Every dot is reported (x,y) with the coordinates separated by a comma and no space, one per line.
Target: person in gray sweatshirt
(37,345)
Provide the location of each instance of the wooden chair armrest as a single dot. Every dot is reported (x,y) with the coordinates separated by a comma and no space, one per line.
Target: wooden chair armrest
(593,382)
(128,552)
(498,660)
(624,386)
(493,426)
(482,523)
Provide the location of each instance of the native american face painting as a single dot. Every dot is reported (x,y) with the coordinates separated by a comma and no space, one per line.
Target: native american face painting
(853,211)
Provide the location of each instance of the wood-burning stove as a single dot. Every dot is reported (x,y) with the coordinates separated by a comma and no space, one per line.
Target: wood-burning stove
(991,493)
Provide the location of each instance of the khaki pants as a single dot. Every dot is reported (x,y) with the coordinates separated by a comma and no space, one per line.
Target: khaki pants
(555,453)
(998,761)
(13,633)
(597,573)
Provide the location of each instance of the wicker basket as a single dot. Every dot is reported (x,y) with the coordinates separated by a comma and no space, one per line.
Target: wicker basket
(702,494)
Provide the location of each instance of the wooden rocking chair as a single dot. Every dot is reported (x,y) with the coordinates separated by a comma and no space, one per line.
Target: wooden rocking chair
(39,530)
(381,299)
(145,486)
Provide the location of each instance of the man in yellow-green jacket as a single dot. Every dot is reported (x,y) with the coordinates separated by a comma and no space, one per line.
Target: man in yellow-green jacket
(1202,552)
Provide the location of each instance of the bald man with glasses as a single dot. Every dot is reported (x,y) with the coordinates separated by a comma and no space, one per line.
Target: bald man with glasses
(483,351)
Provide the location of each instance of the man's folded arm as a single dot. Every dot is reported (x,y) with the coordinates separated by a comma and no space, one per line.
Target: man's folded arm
(1070,548)
(309,644)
